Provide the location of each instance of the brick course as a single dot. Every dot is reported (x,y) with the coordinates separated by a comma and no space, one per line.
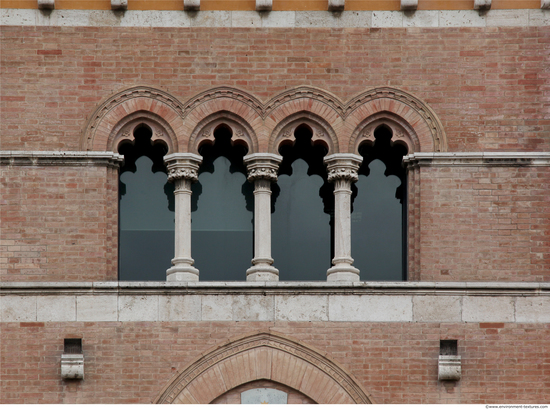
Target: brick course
(485,84)
(485,224)
(395,363)
(59,223)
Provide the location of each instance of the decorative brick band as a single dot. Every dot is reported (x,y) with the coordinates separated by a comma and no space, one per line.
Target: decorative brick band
(60,158)
(268,356)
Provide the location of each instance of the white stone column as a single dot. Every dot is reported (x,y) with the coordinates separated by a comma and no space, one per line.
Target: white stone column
(342,171)
(183,170)
(262,170)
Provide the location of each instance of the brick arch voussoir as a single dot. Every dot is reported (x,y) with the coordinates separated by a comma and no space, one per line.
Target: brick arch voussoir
(410,110)
(268,356)
(98,130)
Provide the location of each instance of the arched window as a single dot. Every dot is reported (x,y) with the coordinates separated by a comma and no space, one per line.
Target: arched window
(146,206)
(222,211)
(378,228)
(302,209)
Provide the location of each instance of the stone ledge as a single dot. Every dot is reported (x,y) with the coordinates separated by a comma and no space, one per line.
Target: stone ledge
(60,158)
(278,287)
(524,306)
(283,19)
(478,159)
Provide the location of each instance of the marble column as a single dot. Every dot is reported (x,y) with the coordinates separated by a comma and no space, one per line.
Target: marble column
(262,170)
(183,170)
(342,171)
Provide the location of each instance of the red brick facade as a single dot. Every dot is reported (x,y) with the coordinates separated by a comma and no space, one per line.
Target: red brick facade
(451,90)
(484,84)
(395,363)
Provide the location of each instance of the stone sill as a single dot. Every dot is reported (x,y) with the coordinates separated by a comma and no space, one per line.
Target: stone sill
(59,158)
(478,159)
(279,287)
(411,302)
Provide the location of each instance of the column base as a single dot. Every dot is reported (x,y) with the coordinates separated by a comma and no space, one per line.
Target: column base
(182,273)
(343,273)
(262,273)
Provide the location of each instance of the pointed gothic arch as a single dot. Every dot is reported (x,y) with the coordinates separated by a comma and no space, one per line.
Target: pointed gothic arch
(106,127)
(269,356)
(242,132)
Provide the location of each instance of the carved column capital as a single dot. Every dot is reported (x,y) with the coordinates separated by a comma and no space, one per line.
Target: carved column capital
(343,166)
(183,166)
(262,166)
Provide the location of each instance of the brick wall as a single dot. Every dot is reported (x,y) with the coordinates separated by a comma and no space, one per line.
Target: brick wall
(395,362)
(485,84)
(485,224)
(59,223)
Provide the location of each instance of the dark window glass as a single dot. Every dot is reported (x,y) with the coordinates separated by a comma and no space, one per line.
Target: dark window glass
(303,205)
(146,241)
(222,212)
(378,206)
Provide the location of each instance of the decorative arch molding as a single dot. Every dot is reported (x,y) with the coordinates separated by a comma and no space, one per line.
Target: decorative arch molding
(181,119)
(217,93)
(321,131)
(306,93)
(268,356)
(160,130)
(410,110)
(402,132)
(242,132)
(99,129)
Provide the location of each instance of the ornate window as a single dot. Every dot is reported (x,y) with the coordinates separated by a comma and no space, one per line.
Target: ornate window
(222,209)
(302,210)
(146,208)
(378,232)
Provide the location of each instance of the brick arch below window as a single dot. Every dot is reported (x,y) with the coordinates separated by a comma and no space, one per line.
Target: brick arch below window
(267,356)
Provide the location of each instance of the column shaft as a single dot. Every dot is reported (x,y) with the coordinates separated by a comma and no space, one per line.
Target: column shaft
(262,169)
(342,171)
(182,170)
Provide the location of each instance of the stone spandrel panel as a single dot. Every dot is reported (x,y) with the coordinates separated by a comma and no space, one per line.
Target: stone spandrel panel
(264,396)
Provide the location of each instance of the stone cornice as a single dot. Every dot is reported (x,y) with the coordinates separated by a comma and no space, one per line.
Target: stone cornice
(60,158)
(281,19)
(478,159)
